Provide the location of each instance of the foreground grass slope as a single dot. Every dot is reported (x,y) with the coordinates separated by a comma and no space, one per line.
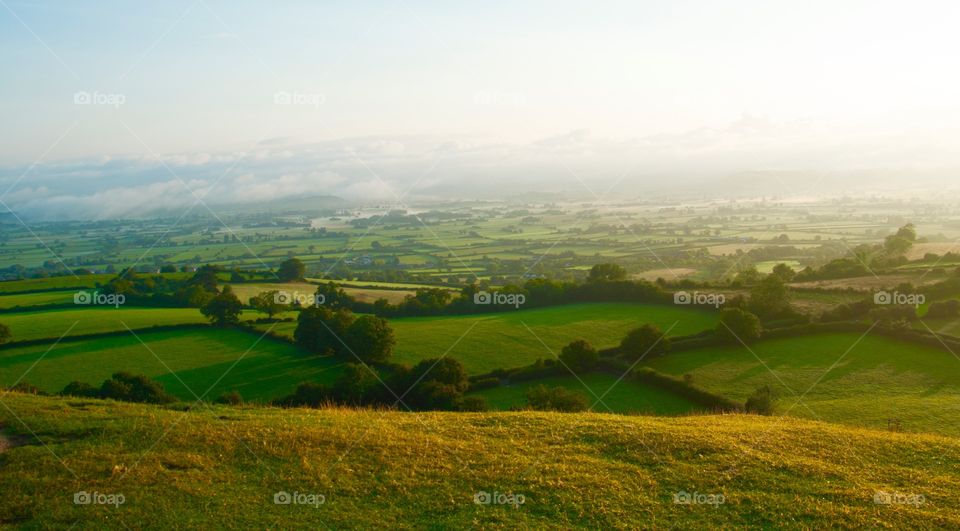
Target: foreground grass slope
(841,377)
(200,359)
(221,467)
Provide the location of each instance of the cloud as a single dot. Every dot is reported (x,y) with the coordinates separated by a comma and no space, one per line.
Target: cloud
(380,168)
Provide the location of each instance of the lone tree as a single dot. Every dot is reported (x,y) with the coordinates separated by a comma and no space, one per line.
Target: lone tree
(610,272)
(371,339)
(579,356)
(648,340)
(291,269)
(736,324)
(224,309)
(785,272)
(268,302)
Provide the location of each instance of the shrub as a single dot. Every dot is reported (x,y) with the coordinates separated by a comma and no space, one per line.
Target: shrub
(134,388)
(80,389)
(542,398)
(950,308)
(472,403)
(24,387)
(232,398)
(760,402)
(307,394)
(648,340)
(579,356)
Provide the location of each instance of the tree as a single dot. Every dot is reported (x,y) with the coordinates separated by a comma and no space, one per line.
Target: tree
(542,398)
(224,309)
(648,340)
(609,272)
(268,302)
(134,388)
(322,330)
(579,356)
(371,338)
(291,269)
(770,298)
(206,278)
(747,276)
(785,272)
(356,384)
(900,243)
(332,295)
(738,324)
(5,333)
(442,383)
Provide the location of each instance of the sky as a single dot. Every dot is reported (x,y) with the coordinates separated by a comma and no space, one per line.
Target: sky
(246,100)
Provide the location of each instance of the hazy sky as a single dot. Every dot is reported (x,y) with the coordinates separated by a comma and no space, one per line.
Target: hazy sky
(746,84)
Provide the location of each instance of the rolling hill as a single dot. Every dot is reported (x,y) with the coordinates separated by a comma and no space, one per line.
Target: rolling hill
(223,467)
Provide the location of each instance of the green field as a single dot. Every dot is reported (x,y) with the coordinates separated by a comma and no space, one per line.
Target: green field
(502,340)
(220,468)
(197,357)
(511,339)
(91,320)
(623,396)
(875,380)
(25,300)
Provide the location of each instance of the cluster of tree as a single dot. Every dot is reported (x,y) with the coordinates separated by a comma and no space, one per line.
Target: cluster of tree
(337,331)
(543,398)
(122,386)
(867,258)
(432,384)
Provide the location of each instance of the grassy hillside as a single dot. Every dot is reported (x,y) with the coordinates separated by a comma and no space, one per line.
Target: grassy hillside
(221,468)
(198,357)
(623,396)
(875,379)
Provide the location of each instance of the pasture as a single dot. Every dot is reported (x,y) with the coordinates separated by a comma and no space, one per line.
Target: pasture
(606,393)
(836,377)
(206,361)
